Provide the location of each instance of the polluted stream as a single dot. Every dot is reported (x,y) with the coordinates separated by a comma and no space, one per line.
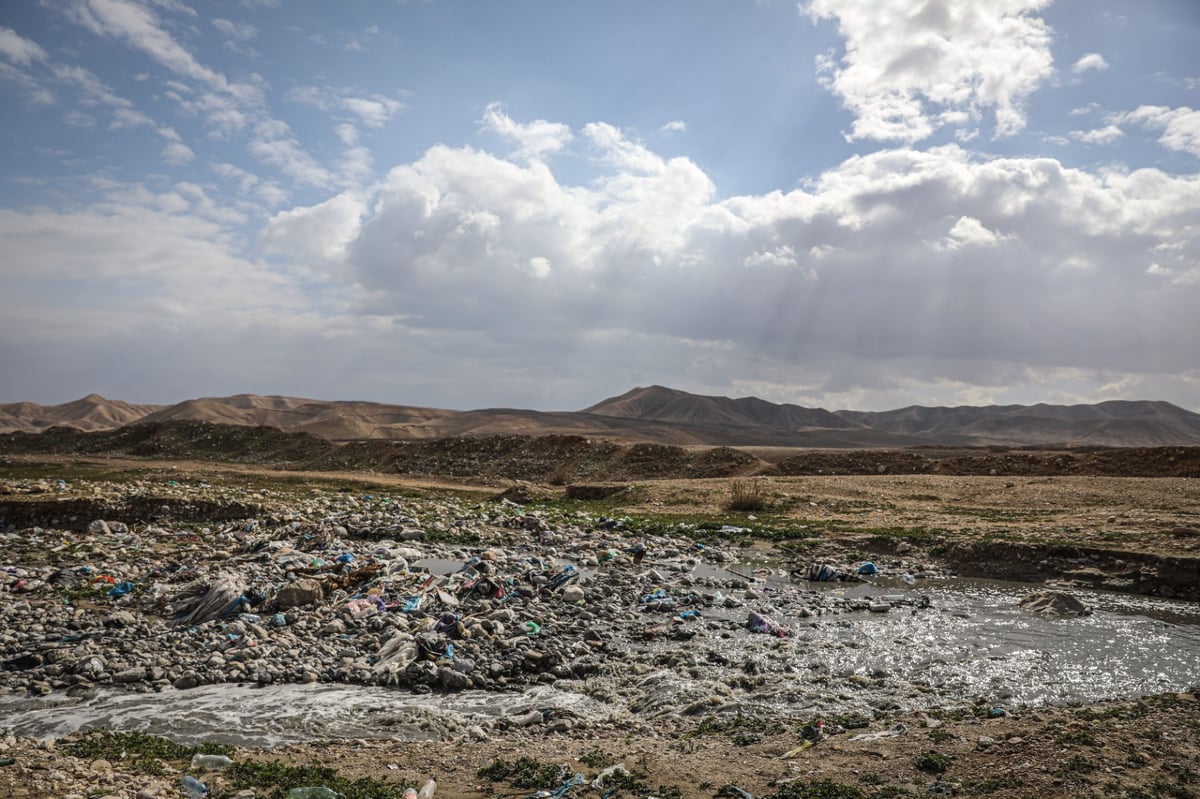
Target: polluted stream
(941,643)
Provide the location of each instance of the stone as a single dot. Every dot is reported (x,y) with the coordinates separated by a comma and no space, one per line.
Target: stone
(1054,603)
(189,680)
(300,594)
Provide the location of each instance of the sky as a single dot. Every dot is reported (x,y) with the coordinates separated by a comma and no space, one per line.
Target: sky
(540,204)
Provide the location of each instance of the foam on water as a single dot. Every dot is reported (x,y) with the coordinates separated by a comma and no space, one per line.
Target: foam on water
(248,716)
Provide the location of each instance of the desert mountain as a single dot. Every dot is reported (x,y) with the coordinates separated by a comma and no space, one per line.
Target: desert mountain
(679,407)
(1117,423)
(655,415)
(92,412)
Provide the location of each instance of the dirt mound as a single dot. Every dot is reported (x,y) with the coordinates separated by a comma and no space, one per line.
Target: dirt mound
(999,461)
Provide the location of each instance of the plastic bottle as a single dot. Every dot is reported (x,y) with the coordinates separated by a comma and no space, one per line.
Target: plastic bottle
(314,792)
(193,787)
(427,790)
(410,793)
(211,762)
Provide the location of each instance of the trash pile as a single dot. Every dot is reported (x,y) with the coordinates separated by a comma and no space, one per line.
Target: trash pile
(424,594)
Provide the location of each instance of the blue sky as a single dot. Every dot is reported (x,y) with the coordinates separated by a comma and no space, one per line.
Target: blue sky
(540,204)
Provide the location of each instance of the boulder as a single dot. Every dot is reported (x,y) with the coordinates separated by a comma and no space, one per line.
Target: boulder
(299,594)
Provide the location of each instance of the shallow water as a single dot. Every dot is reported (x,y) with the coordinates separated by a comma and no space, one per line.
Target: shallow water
(974,641)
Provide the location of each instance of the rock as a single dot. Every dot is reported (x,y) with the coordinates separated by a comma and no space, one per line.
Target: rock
(1054,603)
(189,680)
(453,680)
(98,527)
(130,675)
(572,594)
(300,594)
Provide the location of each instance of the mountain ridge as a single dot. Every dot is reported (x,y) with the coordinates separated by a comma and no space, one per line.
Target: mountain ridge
(656,414)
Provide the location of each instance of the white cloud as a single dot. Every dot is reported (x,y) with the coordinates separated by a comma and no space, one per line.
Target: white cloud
(316,234)
(909,61)
(1090,61)
(347,133)
(945,267)
(276,144)
(1105,135)
(1180,126)
(177,153)
(19,50)
(245,180)
(674,126)
(374,110)
(139,26)
(241,31)
(968,231)
(534,140)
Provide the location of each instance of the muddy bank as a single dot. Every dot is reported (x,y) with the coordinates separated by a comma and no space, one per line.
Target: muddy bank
(1083,567)
(1131,572)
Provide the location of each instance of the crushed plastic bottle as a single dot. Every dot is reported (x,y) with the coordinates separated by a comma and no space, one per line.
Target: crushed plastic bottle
(193,787)
(211,762)
(427,789)
(314,792)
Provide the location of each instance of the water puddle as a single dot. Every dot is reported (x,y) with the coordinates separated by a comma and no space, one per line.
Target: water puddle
(973,640)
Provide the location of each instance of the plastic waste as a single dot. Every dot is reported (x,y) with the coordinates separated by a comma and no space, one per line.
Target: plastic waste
(619,768)
(314,792)
(908,579)
(896,729)
(193,787)
(868,569)
(532,628)
(410,793)
(761,624)
(427,790)
(121,589)
(211,762)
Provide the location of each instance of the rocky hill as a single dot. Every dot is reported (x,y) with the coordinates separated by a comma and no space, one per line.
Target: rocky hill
(658,415)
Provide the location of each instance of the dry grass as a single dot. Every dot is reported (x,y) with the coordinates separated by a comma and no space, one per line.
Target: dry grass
(747,495)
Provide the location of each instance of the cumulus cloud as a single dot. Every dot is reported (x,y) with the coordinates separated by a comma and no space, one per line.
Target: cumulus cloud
(317,234)
(1180,126)
(1090,61)
(533,139)
(1105,135)
(937,263)
(913,66)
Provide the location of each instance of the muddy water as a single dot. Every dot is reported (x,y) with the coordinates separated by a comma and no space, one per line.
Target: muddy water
(973,642)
